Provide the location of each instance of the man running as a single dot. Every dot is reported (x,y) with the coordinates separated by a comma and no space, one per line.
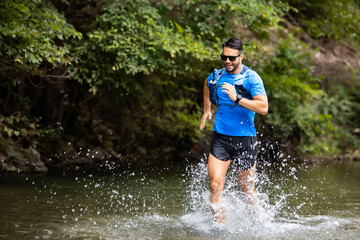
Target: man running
(239,93)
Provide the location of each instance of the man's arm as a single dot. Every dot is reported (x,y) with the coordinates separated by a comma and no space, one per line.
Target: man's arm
(259,104)
(207,106)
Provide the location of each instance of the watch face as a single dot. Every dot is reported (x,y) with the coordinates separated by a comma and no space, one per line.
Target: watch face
(238,98)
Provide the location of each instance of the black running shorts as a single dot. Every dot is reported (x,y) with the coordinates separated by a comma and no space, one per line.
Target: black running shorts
(242,150)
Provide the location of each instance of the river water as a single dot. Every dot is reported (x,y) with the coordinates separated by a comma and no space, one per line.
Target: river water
(314,200)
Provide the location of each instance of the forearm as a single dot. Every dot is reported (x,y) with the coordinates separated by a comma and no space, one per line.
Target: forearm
(259,104)
(207,106)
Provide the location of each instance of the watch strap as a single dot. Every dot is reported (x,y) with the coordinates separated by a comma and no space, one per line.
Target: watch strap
(238,98)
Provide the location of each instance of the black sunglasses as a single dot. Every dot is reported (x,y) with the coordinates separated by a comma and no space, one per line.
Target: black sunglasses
(231,58)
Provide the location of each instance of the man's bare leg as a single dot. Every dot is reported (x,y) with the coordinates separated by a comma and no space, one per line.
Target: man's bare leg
(247,184)
(217,171)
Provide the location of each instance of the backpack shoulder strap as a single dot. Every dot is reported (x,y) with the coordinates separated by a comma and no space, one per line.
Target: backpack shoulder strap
(216,75)
(219,74)
(248,71)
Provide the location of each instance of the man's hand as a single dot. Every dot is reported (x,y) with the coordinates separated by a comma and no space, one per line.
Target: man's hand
(230,90)
(205,116)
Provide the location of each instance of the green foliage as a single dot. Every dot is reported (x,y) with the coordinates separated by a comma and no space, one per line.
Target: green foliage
(344,107)
(150,65)
(213,20)
(157,55)
(186,114)
(22,129)
(133,39)
(172,38)
(294,96)
(29,33)
(16,126)
(145,63)
(329,19)
(34,40)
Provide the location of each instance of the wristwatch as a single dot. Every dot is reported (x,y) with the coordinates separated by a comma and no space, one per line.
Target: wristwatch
(238,98)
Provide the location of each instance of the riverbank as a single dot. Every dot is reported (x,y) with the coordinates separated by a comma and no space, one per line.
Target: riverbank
(16,158)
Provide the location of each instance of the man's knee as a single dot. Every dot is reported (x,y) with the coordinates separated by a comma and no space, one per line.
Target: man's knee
(216,185)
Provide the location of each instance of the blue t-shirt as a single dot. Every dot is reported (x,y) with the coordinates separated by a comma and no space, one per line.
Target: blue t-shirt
(237,121)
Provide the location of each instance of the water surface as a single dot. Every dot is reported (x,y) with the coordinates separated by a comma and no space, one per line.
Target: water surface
(319,200)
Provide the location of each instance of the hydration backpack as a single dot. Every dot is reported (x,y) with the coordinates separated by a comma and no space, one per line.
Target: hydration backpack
(238,83)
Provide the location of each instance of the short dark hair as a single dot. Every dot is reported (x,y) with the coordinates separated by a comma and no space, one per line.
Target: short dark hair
(233,43)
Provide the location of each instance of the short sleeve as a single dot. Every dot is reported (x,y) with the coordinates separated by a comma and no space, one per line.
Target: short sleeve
(256,85)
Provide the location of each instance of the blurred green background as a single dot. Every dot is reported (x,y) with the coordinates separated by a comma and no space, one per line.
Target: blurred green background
(126,77)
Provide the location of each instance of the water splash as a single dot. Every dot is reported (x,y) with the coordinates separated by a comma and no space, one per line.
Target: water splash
(287,204)
(239,214)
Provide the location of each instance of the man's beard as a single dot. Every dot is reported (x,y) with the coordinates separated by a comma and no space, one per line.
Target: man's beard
(235,67)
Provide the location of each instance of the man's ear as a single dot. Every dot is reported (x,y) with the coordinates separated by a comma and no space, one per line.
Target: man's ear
(242,56)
